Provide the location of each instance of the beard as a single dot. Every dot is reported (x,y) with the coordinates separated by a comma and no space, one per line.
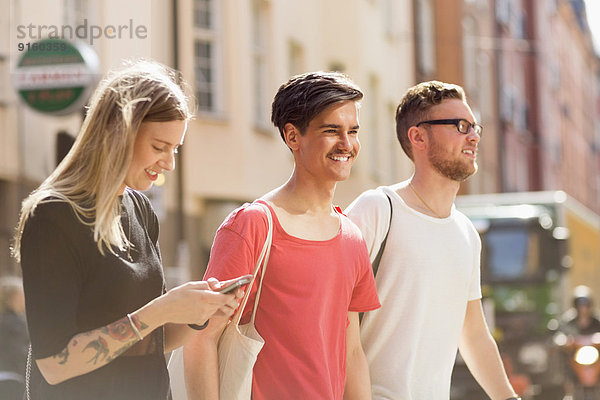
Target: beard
(454,169)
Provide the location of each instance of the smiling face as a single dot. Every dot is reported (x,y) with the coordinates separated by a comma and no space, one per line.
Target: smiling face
(154,151)
(329,146)
(451,153)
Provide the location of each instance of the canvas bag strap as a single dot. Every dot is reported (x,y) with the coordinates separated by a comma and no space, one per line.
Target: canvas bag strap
(263,259)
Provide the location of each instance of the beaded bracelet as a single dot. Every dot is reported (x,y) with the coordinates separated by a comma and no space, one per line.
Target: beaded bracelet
(135,329)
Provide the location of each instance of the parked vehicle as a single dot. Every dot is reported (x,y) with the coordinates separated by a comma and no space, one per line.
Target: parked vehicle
(534,246)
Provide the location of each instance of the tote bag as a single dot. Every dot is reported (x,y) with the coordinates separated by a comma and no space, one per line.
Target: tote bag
(238,346)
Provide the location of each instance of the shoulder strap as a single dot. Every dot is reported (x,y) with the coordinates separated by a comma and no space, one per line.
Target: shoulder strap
(262,261)
(377,259)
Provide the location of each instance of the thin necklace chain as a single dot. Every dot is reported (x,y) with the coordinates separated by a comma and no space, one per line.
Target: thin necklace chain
(423,201)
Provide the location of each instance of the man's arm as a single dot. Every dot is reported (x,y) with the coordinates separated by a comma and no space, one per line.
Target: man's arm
(201,362)
(480,352)
(176,335)
(358,381)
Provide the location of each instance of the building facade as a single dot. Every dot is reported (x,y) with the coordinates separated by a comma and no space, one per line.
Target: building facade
(531,74)
(568,111)
(234,54)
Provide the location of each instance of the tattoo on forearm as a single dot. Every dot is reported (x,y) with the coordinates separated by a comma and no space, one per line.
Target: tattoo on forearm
(142,325)
(118,352)
(63,356)
(100,346)
(122,331)
(139,324)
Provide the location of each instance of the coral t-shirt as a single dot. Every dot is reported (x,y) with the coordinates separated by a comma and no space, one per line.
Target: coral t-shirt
(308,289)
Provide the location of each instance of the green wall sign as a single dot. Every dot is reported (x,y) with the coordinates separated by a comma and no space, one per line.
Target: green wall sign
(56,76)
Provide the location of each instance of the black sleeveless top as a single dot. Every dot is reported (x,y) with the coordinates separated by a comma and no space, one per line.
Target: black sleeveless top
(70,288)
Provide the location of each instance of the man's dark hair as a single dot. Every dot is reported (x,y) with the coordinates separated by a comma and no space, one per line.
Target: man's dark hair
(417,102)
(303,97)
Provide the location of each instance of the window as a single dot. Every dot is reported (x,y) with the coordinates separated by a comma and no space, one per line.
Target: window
(510,14)
(296,59)
(5,88)
(518,21)
(389,131)
(425,30)
(507,251)
(374,130)
(260,41)
(514,253)
(389,22)
(203,51)
(202,14)
(503,8)
(470,52)
(206,55)
(507,101)
(75,11)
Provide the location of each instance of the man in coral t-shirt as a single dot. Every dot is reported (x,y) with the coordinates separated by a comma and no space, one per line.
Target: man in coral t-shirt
(318,277)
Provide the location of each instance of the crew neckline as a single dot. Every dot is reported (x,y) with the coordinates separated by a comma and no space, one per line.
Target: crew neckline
(277,226)
(393,189)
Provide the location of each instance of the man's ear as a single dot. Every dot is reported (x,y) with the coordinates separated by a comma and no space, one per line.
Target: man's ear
(291,135)
(418,139)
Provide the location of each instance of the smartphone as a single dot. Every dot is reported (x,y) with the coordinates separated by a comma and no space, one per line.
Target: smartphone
(240,282)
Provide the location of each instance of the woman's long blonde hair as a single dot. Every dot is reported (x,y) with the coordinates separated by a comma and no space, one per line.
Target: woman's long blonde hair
(90,177)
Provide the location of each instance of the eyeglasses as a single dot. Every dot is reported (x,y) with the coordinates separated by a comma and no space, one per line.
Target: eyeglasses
(462,125)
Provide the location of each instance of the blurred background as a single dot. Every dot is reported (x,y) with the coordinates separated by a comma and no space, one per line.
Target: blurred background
(530,69)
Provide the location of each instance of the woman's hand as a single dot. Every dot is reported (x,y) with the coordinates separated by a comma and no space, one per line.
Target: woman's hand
(217,286)
(177,334)
(196,302)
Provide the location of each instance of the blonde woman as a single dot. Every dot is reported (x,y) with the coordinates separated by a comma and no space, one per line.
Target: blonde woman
(99,317)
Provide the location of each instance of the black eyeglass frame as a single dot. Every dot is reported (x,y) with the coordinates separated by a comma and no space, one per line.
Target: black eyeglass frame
(478,129)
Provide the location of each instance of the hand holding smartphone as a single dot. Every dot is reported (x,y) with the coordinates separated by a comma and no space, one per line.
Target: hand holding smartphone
(241,281)
(229,288)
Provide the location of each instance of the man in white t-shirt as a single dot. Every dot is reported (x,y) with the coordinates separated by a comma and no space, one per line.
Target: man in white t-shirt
(428,278)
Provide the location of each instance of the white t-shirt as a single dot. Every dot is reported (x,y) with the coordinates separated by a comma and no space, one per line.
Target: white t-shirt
(428,272)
